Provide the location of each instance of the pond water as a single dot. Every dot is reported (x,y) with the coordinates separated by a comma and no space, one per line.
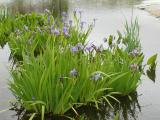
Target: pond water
(110,15)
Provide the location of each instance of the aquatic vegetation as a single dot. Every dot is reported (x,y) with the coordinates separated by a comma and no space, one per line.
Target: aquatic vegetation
(152,64)
(58,81)
(131,38)
(55,69)
(6,29)
(122,62)
(31,31)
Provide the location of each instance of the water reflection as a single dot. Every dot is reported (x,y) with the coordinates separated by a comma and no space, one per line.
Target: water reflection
(106,3)
(127,109)
(57,6)
(24,6)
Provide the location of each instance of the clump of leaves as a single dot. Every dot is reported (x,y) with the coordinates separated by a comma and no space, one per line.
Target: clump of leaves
(58,71)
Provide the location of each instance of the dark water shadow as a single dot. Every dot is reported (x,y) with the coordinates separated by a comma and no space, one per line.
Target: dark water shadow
(127,109)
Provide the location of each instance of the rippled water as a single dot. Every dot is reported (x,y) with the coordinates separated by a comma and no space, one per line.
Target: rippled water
(110,15)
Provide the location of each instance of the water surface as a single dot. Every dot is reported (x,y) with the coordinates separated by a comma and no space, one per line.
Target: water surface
(110,15)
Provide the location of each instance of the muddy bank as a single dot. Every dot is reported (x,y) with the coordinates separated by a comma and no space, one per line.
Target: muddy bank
(153,9)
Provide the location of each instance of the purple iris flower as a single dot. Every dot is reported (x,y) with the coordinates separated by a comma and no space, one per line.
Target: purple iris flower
(74,49)
(80,46)
(66,31)
(96,76)
(135,52)
(73,72)
(56,32)
(70,22)
(77,11)
(91,48)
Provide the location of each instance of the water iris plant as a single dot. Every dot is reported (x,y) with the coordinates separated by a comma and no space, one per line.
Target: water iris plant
(56,70)
(23,33)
